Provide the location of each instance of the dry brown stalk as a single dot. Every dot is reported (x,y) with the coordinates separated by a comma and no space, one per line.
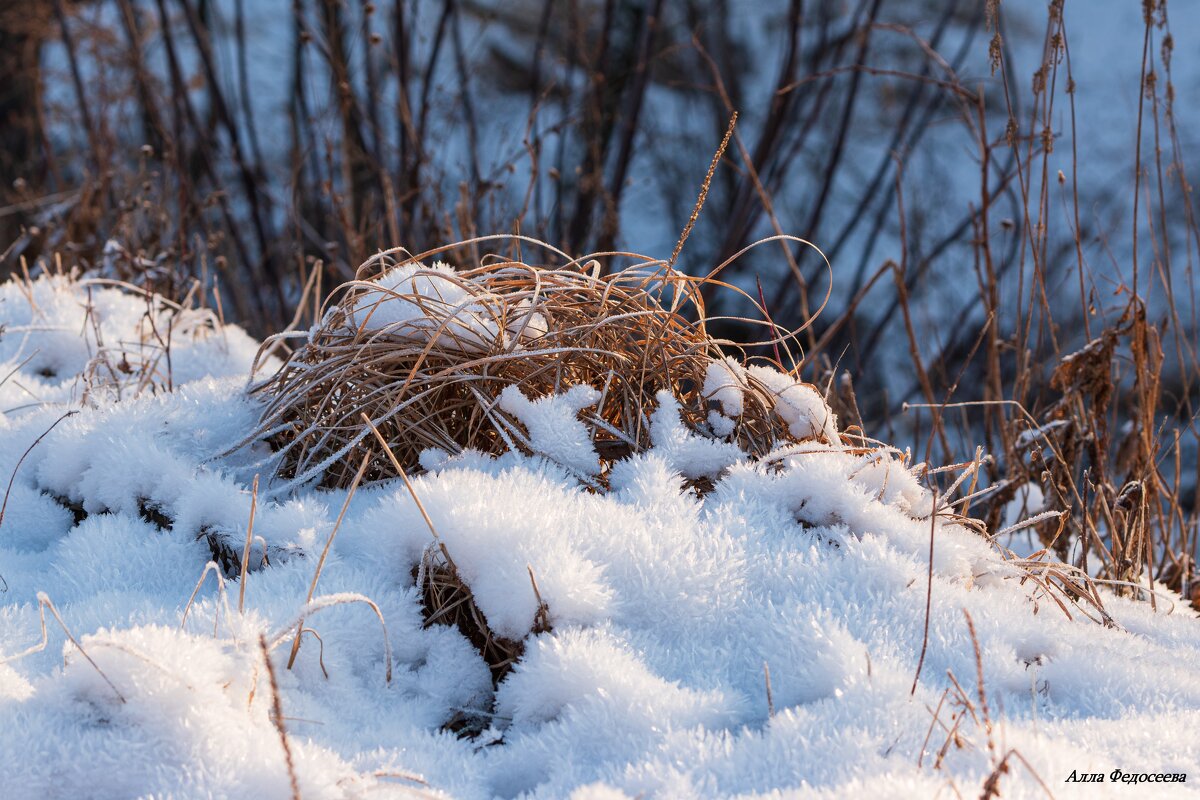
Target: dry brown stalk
(276,715)
(245,566)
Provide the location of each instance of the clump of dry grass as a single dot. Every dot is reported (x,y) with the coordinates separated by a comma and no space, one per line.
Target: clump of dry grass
(436,382)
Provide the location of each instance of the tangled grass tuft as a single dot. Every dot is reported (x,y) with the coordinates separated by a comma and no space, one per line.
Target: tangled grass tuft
(425,353)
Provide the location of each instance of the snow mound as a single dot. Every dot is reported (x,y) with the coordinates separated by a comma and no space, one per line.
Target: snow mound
(424,303)
(728,384)
(67,341)
(667,610)
(805,412)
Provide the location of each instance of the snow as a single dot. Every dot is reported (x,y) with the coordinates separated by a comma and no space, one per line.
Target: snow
(57,331)
(724,383)
(554,427)
(666,608)
(422,303)
(798,404)
(693,456)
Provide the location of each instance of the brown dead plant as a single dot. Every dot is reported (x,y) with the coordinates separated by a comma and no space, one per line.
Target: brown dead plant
(426,358)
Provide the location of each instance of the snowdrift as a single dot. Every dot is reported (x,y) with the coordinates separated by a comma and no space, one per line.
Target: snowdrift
(757,639)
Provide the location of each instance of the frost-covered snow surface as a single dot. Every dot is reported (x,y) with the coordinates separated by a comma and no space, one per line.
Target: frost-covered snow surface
(665,608)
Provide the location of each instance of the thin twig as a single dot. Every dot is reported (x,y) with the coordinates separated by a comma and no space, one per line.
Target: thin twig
(246,549)
(276,716)
(928,596)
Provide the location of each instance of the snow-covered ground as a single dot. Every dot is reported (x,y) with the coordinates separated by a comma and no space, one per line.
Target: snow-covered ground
(667,612)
